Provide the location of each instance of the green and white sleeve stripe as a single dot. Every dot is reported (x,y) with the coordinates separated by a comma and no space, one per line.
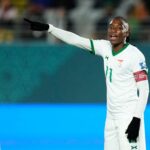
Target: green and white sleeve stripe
(92,46)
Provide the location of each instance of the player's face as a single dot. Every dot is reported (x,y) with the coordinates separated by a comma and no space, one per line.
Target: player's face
(115,32)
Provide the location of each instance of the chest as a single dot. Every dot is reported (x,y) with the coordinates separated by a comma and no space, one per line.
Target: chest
(119,65)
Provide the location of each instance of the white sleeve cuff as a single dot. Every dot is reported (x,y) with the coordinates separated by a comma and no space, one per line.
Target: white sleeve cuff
(50,28)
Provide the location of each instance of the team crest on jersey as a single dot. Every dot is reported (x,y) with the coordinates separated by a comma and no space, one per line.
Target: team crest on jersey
(120,61)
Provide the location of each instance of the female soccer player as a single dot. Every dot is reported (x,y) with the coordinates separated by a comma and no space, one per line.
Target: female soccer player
(126,73)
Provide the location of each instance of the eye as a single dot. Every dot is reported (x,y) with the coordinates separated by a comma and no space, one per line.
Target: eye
(120,28)
(110,27)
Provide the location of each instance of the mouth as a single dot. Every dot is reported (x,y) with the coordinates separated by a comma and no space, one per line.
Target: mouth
(113,37)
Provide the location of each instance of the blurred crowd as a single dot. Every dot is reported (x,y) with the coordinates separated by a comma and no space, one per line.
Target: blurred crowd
(88,18)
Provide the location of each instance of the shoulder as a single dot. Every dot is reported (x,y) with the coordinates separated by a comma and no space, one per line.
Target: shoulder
(135,52)
(137,59)
(101,41)
(101,46)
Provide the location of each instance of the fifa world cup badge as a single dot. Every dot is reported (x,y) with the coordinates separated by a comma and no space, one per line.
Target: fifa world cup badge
(143,65)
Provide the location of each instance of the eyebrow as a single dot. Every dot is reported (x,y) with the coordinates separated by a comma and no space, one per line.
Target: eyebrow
(117,25)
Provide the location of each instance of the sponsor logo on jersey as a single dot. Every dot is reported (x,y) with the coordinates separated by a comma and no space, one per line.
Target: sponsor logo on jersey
(133,147)
(106,57)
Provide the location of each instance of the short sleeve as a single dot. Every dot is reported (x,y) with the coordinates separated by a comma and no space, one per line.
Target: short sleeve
(99,47)
(139,63)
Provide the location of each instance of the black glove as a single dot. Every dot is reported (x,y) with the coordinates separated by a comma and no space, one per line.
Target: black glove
(133,129)
(37,26)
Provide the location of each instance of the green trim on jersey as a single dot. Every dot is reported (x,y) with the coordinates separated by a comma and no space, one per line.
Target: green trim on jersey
(119,51)
(92,47)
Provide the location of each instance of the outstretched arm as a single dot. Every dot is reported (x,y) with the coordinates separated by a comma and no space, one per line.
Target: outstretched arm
(63,35)
(70,37)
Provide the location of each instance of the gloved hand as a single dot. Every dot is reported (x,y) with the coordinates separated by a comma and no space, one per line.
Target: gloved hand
(37,26)
(133,129)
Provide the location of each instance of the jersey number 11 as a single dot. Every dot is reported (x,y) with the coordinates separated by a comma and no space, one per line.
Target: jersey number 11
(109,73)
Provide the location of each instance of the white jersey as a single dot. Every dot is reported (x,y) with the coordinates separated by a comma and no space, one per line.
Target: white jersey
(122,98)
(123,71)
(120,82)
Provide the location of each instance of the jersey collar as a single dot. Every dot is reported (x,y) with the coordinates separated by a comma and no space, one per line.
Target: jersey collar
(119,51)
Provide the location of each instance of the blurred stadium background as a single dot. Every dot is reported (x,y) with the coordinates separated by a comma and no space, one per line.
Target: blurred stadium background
(53,95)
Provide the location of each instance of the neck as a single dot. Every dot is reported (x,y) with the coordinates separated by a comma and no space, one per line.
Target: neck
(117,47)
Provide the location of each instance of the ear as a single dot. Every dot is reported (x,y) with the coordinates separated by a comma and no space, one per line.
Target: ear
(126,34)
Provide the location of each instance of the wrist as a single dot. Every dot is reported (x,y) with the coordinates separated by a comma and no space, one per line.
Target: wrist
(136,117)
(138,114)
(50,28)
(137,120)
